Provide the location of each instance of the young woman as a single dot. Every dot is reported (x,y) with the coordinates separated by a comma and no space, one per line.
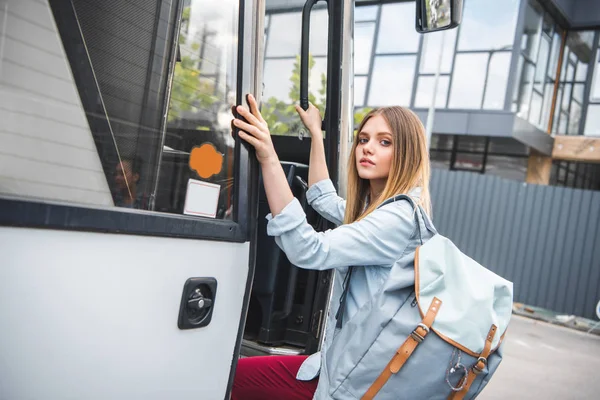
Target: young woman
(389,157)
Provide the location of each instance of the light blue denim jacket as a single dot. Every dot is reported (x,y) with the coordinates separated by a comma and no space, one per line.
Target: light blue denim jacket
(373,244)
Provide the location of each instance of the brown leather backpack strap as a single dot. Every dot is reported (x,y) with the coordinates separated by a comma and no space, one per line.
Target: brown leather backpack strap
(404,351)
(477,368)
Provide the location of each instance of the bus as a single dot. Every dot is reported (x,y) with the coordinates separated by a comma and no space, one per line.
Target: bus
(135,261)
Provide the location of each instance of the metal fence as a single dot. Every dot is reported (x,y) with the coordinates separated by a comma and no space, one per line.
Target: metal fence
(545,239)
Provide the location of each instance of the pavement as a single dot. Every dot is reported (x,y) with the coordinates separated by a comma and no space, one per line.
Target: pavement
(546,361)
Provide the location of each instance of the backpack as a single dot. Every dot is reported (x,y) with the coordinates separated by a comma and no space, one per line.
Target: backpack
(441,339)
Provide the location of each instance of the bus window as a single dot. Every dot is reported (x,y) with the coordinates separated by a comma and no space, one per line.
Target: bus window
(97,116)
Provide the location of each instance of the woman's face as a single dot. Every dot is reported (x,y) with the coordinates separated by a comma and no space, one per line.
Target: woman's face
(374,151)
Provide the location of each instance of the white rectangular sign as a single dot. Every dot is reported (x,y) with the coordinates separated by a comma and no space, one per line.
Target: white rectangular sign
(201,199)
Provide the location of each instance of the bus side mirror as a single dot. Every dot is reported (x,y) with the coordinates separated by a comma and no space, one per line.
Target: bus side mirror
(437,15)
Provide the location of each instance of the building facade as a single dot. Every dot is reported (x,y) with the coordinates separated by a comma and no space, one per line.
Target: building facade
(518,81)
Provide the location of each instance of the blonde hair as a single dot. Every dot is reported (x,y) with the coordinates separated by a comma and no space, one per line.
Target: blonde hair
(409,169)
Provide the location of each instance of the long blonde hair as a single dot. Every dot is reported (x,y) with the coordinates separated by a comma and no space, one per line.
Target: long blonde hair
(409,169)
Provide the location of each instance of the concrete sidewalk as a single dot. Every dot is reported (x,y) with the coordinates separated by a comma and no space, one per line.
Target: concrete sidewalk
(545,361)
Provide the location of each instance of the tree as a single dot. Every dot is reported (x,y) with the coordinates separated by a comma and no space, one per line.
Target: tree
(280,115)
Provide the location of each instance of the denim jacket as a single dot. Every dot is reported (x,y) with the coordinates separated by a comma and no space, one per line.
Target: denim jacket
(372,244)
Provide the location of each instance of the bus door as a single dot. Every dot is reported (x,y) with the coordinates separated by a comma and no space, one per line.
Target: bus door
(306,56)
(126,207)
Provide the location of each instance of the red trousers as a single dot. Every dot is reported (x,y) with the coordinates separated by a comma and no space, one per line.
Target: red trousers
(271,378)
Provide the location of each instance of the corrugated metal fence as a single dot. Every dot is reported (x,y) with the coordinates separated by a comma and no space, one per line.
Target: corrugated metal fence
(545,239)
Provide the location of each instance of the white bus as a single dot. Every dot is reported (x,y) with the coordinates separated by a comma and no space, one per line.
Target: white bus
(134,257)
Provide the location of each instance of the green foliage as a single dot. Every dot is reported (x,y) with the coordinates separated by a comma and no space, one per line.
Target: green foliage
(281,115)
(360,114)
(189,91)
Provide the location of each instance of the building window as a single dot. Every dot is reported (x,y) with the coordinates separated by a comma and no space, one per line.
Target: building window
(575,175)
(539,57)
(483,54)
(392,80)
(578,56)
(430,53)
(540,48)
(592,123)
(501,157)
(397,32)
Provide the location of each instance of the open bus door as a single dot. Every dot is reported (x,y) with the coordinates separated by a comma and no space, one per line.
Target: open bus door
(126,265)
(288,305)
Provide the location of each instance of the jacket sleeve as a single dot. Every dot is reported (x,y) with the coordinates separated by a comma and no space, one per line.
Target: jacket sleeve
(378,239)
(324,199)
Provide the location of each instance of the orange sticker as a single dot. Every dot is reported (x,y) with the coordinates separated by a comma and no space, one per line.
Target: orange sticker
(206,160)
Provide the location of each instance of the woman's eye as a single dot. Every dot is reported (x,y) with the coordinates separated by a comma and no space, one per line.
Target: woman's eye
(363,140)
(386,142)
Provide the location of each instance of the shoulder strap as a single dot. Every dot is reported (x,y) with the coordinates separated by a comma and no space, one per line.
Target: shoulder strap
(415,208)
(346,285)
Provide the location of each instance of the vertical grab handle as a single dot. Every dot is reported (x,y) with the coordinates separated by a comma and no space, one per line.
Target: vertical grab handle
(304,53)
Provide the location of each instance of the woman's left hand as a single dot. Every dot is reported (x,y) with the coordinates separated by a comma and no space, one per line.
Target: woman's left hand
(255,131)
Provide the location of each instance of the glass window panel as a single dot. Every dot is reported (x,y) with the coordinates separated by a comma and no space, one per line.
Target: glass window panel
(276,79)
(507,167)
(368,13)
(468,162)
(553,63)
(557,111)
(575,117)
(284,35)
(561,174)
(497,81)
(570,179)
(531,31)
(563,123)
(442,142)
(397,32)
(468,81)
(578,90)
(360,86)
(363,44)
(518,81)
(525,90)
(572,57)
(566,99)
(471,143)
(592,122)
(595,89)
(425,91)
(125,158)
(210,54)
(547,105)
(582,69)
(540,69)
(570,72)
(319,31)
(536,108)
(392,80)
(432,45)
(317,82)
(488,24)
(199,109)
(440,159)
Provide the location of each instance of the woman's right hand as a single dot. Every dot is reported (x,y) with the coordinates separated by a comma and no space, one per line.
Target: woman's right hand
(311,118)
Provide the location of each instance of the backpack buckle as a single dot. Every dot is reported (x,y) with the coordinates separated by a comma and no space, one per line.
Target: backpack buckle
(476,368)
(418,337)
